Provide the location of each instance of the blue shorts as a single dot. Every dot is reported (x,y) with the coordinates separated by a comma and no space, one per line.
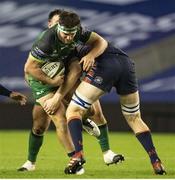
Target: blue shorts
(113,69)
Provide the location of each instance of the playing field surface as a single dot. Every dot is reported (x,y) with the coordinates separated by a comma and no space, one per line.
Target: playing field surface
(52,158)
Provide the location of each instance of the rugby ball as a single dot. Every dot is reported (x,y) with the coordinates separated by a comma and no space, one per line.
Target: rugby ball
(52,69)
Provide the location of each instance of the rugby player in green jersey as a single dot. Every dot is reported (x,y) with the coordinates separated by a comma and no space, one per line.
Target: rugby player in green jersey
(41,123)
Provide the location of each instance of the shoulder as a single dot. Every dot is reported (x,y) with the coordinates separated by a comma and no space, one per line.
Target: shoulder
(83,34)
(43,46)
(48,35)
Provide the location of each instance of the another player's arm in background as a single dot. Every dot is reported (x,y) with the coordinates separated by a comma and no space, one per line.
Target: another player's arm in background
(13,95)
(33,67)
(98,46)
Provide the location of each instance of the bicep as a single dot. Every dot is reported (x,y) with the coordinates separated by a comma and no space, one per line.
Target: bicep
(31,64)
(94,37)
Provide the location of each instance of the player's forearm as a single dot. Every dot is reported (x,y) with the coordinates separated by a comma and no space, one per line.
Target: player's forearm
(68,84)
(70,81)
(40,76)
(32,68)
(98,45)
(98,49)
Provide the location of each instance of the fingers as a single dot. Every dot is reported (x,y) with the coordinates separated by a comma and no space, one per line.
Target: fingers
(81,61)
(87,64)
(20,98)
(87,67)
(49,110)
(23,102)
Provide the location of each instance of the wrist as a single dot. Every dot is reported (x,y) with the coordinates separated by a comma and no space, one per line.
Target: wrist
(48,80)
(90,55)
(58,96)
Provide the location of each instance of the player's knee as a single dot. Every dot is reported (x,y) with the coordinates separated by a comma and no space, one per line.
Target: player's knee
(40,124)
(78,106)
(74,111)
(39,130)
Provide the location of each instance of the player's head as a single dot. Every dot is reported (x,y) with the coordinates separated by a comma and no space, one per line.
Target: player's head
(68,25)
(53,17)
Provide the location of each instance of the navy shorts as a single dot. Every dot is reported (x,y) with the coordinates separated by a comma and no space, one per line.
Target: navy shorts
(113,70)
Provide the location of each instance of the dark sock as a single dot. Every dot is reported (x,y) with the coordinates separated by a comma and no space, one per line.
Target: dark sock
(103,138)
(71,154)
(75,128)
(146,141)
(35,142)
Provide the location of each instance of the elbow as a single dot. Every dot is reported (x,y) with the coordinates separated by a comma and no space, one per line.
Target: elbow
(26,69)
(105,43)
(28,66)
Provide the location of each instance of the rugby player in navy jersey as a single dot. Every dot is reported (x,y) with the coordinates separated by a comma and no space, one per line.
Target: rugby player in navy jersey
(13,95)
(106,67)
(41,122)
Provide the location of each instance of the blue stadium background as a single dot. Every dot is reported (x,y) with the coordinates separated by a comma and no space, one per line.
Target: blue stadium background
(132,25)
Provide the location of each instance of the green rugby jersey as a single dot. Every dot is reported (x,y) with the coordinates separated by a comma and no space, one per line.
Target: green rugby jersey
(48,47)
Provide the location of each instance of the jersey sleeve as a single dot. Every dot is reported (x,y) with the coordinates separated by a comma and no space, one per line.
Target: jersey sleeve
(4,91)
(42,48)
(84,35)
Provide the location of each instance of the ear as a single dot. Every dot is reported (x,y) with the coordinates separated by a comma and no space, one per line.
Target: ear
(49,24)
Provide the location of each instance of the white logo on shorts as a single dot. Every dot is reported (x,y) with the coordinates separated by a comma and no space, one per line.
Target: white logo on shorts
(98,80)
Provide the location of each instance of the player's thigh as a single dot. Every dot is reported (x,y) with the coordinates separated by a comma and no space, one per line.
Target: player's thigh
(84,96)
(89,92)
(42,99)
(59,116)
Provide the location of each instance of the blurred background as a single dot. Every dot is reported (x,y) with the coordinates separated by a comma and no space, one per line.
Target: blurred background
(145,29)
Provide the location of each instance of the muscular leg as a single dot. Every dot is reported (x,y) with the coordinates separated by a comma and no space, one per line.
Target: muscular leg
(131,112)
(133,119)
(76,109)
(41,122)
(60,123)
(40,125)
(81,101)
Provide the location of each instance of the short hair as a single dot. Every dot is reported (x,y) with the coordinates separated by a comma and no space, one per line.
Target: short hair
(69,19)
(54,12)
